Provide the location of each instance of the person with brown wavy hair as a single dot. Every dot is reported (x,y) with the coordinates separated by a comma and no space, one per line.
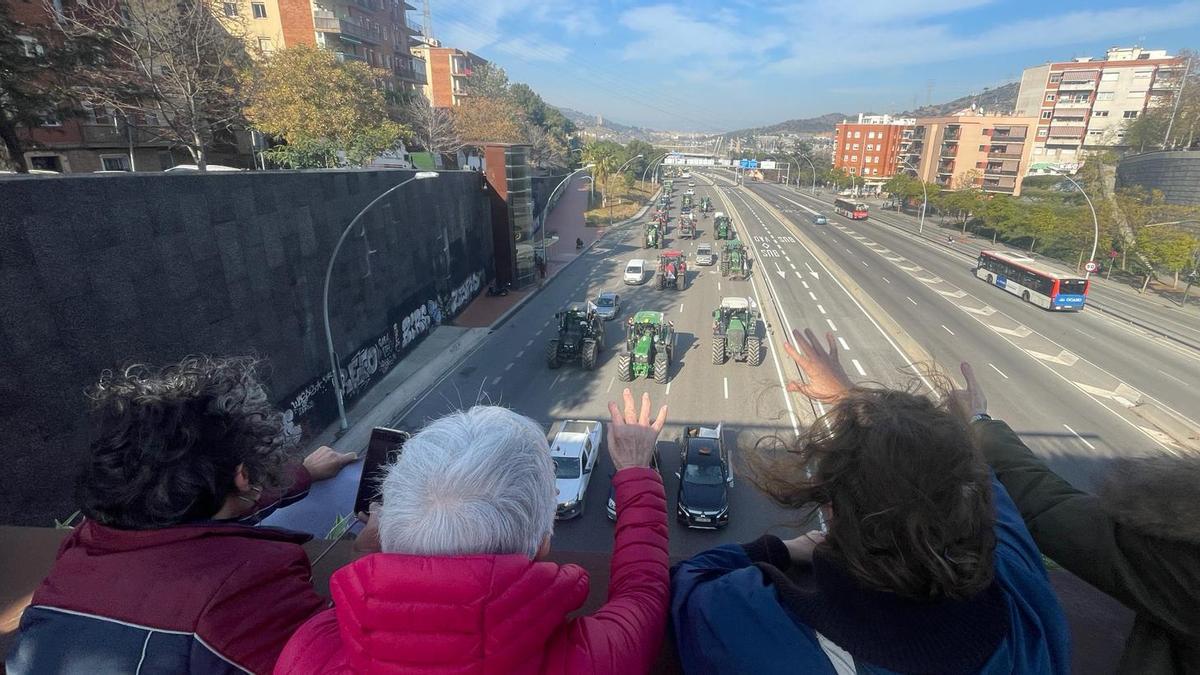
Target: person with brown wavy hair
(922,564)
(167,572)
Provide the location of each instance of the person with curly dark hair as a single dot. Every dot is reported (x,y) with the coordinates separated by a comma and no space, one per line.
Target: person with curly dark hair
(922,565)
(167,571)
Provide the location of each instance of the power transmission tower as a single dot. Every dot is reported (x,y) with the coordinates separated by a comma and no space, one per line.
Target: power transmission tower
(426,22)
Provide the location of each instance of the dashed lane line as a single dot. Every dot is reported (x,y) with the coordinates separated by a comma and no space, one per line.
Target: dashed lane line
(999,371)
(947,329)
(611,380)
(842,342)
(1081,438)
(821,309)
(495,380)
(812,295)
(832,327)
(859,368)
(910,300)
(726,381)
(885,280)
(519,354)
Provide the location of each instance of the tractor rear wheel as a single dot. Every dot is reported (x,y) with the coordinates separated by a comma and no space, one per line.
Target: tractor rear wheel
(624,367)
(590,348)
(552,354)
(753,350)
(681,280)
(661,368)
(724,269)
(719,352)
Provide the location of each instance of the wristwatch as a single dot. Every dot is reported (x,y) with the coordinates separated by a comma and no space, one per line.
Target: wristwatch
(981,416)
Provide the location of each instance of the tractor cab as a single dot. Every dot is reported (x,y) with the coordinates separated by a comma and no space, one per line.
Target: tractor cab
(580,336)
(735,332)
(649,347)
(735,261)
(672,269)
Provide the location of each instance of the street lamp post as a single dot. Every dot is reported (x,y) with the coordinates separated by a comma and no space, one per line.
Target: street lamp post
(338,392)
(652,163)
(618,171)
(814,170)
(550,199)
(924,203)
(1095,221)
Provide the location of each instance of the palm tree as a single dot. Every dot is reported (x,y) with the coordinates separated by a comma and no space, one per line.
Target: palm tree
(603,155)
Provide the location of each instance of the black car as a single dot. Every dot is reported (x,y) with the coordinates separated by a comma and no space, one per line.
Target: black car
(704,479)
(612,494)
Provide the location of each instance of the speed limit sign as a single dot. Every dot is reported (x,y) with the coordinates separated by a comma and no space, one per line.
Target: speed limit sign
(1090,266)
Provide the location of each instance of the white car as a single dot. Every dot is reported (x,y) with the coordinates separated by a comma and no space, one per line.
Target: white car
(689,191)
(692,184)
(635,271)
(705,255)
(574,446)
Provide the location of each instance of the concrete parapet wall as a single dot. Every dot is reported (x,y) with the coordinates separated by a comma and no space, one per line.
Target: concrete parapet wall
(1176,174)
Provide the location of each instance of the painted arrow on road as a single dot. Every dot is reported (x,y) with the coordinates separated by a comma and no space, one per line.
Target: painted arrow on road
(780,272)
(812,271)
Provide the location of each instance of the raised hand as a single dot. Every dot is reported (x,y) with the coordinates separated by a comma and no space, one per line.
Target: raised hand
(827,380)
(631,434)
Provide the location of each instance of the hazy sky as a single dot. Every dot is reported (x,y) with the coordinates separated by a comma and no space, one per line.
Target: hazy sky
(709,66)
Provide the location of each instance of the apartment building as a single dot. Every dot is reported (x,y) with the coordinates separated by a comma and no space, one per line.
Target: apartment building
(446,70)
(375,32)
(1084,104)
(970,149)
(870,147)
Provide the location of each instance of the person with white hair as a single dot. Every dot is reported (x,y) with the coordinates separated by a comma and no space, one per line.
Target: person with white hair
(459,582)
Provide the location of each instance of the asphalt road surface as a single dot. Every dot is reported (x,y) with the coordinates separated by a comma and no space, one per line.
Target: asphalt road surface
(1076,386)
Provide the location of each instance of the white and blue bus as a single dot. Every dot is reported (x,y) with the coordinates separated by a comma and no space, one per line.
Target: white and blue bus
(1018,275)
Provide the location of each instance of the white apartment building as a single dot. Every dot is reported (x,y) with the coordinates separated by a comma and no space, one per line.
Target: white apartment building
(1084,104)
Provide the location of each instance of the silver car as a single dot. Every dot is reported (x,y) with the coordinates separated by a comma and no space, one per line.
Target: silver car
(705,255)
(608,305)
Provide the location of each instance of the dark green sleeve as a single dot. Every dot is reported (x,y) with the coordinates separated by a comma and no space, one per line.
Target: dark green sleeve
(1151,575)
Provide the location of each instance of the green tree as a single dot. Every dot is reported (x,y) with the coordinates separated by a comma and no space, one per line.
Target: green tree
(1149,130)
(1169,248)
(307,97)
(488,81)
(606,157)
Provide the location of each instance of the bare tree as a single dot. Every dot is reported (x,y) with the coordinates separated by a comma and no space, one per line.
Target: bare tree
(544,149)
(433,127)
(170,64)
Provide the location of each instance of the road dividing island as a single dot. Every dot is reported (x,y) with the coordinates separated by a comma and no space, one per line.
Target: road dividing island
(1169,429)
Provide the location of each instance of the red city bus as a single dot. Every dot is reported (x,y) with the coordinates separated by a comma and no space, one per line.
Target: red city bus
(851,209)
(1020,276)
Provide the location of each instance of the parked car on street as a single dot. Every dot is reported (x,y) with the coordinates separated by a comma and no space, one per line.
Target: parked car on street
(608,305)
(705,476)
(705,255)
(635,271)
(574,446)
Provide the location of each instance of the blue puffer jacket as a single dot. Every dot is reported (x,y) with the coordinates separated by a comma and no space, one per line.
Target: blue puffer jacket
(734,610)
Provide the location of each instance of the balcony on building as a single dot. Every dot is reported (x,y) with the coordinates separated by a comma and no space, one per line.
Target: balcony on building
(349,56)
(1060,104)
(418,69)
(413,27)
(118,135)
(1008,135)
(1002,168)
(949,150)
(347,29)
(1077,85)
(460,67)
(953,133)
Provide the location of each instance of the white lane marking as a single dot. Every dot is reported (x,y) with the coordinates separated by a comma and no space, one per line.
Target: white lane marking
(999,371)
(793,266)
(1085,334)
(805,283)
(508,367)
(681,308)
(865,264)
(789,259)
(718,285)
(831,326)
(668,391)
(842,342)
(555,380)
(885,280)
(726,381)
(529,344)
(812,295)
(1081,438)
(520,354)
(910,300)
(1172,377)
(811,271)
(947,329)
(849,251)
(495,380)
(821,309)
(858,367)
(611,380)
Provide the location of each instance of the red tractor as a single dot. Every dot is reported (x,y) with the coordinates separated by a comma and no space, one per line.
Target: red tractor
(672,269)
(687,227)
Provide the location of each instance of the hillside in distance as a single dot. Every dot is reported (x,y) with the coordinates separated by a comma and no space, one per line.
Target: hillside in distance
(807,125)
(1000,99)
(607,128)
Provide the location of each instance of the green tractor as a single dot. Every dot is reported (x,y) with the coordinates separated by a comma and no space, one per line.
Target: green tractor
(723,226)
(580,337)
(706,205)
(653,236)
(649,347)
(687,202)
(735,262)
(735,332)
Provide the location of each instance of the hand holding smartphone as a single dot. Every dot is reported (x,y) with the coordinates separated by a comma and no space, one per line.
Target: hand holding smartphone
(384,448)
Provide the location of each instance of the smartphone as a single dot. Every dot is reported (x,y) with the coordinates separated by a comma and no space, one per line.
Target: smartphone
(384,449)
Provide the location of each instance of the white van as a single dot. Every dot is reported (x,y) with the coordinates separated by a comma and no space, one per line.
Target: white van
(635,271)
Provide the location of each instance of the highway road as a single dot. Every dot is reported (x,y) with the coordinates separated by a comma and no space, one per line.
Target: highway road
(510,369)
(1066,382)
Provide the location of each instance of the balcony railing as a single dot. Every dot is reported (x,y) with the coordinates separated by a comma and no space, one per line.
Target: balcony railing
(1072,104)
(327,24)
(347,56)
(109,135)
(1076,85)
(1007,138)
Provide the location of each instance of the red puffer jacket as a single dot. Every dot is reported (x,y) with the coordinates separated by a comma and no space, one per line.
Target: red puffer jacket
(399,613)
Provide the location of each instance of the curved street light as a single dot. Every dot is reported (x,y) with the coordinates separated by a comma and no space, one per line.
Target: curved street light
(652,163)
(924,202)
(814,170)
(1095,222)
(550,199)
(610,204)
(337,370)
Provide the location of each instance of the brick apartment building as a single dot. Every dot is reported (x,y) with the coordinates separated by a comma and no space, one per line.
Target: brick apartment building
(446,70)
(1084,104)
(991,152)
(870,147)
(376,32)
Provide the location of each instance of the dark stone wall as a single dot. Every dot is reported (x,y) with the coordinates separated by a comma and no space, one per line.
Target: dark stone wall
(1176,173)
(100,271)
(542,187)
